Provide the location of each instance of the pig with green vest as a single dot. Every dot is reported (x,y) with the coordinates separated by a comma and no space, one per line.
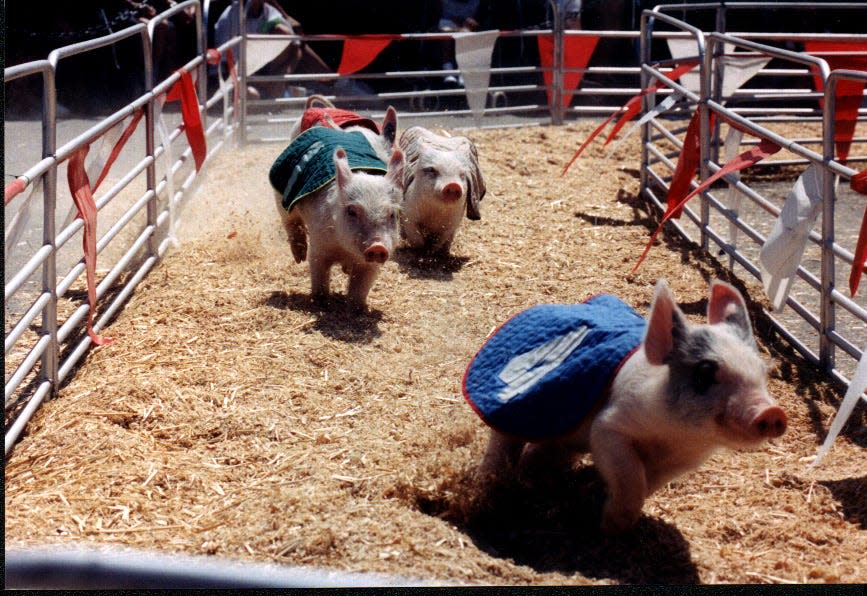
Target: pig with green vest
(339,203)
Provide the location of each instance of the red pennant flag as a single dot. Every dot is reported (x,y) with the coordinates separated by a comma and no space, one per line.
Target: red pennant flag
(118,147)
(850,55)
(687,163)
(185,91)
(744,160)
(360,51)
(82,195)
(576,55)
(14,188)
(858,183)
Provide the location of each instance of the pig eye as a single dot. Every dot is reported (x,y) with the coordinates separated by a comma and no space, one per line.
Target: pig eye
(704,375)
(430,171)
(351,212)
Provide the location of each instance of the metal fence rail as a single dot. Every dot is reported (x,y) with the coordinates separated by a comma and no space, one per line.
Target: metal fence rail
(46,315)
(822,322)
(45,337)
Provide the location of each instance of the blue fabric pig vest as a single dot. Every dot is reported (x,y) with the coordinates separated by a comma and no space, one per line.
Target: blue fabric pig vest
(544,370)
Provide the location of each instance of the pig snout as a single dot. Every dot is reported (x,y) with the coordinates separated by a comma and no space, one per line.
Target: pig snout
(770,422)
(750,420)
(452,192)
(376,253)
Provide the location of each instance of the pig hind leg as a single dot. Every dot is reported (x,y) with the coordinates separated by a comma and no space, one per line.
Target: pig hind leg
(297,238)
(296,231)
(501,457)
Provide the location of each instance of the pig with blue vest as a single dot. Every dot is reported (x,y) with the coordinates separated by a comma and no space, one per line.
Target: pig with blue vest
(649,399)
(339,203)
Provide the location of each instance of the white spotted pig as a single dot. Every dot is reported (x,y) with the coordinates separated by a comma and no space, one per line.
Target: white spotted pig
(340,205)
(651,400)
(443,181)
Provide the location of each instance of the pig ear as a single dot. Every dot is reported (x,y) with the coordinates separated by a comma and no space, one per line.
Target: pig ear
(665,324)
(396,166)
(476,183)
(341,165)
(726,305)
(389,126)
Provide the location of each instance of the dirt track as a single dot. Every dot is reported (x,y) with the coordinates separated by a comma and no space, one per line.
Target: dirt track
(232,417)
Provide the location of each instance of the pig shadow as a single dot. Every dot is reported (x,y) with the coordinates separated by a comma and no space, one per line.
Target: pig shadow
(552,525)
(814,388)
(420,264)
(332,318)
(851,493)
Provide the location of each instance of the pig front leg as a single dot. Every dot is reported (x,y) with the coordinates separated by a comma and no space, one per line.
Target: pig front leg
(361,278)
(411,231)
(625,477)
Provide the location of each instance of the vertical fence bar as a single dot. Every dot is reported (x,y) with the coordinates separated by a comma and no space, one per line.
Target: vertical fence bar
(644,40)
(242,67)
(49,364)
(558,109)
(152,209)
(708,83)
(827,315)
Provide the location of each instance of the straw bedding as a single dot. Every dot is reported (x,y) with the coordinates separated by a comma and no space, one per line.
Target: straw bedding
(233,417)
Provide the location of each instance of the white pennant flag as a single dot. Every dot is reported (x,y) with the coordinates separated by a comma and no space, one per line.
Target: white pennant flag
(857,387)
(473,53)
(784,246)
(662,106)
(261,51)
(736,70)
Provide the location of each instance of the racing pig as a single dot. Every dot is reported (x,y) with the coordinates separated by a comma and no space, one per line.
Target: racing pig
(442,180)
(331,186)
(651,400)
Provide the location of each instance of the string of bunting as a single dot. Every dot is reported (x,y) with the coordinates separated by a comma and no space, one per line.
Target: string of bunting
(82,195)
(683,175)
(629,110)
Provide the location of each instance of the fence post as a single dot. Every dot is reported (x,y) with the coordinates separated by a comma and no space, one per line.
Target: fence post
(644,41)
(827,313)
(706,88)
(558,109)
(49,366)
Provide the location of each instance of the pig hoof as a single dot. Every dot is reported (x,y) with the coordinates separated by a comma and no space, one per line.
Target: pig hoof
(299,251)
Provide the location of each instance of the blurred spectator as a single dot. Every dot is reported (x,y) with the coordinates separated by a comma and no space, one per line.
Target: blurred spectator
(457,15)
(269,18)
(174,41)
(571,11)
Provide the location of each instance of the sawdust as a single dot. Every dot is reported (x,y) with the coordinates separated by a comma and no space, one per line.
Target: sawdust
(233,417)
